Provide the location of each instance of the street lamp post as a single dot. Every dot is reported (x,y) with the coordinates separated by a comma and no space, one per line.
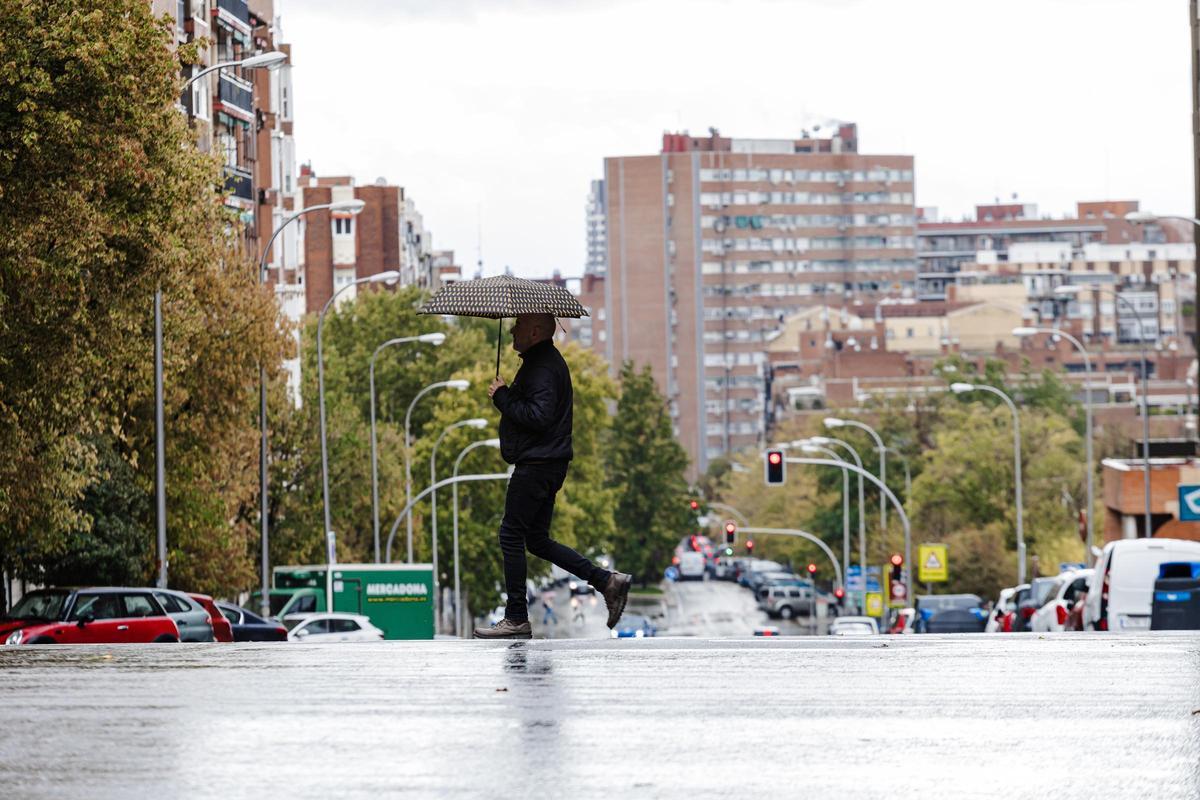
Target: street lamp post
(390,276)
(348,206)
(862,507)
(461,386)
(960,388)
(835,422)
(479,423)
(1087,370)
(434,339)
(1069,290)
(457,585)
(814,448)
(269,60)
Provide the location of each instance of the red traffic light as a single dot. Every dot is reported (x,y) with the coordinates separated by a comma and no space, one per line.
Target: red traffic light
(775,457)
(839,593)
(812,569)
(774,468)
(897,560)
(749,545)
(695,505)
(730,527)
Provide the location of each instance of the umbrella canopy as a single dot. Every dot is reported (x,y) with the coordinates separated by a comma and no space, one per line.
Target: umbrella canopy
(503,296)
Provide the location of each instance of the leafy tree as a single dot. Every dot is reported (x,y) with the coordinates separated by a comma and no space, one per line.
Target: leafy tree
(103,198)
(646,469)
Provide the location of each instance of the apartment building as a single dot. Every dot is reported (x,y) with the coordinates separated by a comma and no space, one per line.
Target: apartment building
(713,242)
(945,247)
(338,248)
(245,116)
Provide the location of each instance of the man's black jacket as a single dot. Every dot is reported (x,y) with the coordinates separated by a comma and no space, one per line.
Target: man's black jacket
(535,411)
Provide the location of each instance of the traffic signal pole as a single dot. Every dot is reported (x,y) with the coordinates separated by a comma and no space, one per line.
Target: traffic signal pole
(825,462)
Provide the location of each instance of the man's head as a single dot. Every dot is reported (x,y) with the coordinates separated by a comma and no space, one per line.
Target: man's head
(531,329)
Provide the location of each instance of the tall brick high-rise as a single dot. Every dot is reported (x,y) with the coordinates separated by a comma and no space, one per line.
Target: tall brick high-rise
(714,241)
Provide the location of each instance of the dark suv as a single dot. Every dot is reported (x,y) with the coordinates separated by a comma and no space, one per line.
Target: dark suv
(949,613)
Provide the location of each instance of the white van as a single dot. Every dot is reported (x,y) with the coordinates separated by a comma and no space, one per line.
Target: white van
(1122,589)
(691,565)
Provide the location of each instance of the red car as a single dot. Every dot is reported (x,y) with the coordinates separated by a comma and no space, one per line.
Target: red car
(222,630)
(103,615)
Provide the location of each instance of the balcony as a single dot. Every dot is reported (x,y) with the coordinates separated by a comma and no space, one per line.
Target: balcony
(240,185)
(234,16)
(235,97)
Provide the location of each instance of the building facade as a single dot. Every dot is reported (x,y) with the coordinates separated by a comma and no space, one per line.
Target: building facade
(712,243)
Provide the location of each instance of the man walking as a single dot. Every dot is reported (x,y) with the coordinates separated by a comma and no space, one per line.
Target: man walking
(535,435)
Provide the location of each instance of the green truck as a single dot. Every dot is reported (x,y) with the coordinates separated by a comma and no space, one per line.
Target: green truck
(398,598)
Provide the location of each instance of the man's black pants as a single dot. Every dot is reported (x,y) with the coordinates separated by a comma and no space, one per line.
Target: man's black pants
(528,509)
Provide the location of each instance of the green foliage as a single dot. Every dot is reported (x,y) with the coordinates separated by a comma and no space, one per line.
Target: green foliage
(646,468)
(103,197)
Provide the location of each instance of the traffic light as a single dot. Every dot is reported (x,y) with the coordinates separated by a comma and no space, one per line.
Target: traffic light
(840,594)
(775,467)
(812,568)
(749,545)
(896,588)
(728,551)
(730,532)
(695,505)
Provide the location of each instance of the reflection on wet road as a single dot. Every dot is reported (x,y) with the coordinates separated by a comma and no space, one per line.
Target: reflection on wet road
(1071,716)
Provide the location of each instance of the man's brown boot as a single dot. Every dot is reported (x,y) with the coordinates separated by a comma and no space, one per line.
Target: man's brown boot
(616,592)
(506,629)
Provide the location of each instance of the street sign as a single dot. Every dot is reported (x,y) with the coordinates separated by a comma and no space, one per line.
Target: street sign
(671,573)
(874,604)
(932,564)
(854,579)
(1189,502)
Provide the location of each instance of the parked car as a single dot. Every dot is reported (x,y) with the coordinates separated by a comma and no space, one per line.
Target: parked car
(1030,601)
(633,626)
(904,621)
(1053,614)
(1122,588)
(949,613)
(763,580)
(854,626)
(191,619)
(331,627)
(222,630)
(724,568)
(784,601)
(250,627)
(99,615)
(756,565)
(998,620)
(760,578)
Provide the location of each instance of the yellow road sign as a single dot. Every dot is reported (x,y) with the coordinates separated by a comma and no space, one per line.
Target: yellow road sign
(933,566)
(874,604)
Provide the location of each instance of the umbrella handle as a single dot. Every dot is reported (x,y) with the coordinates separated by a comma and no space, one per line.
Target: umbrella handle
(499,337)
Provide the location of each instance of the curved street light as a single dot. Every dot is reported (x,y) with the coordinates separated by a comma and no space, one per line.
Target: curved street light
(962,388)
(434,339)
(1087,369)
(1071,291)
(457,584)
(478,423)
(461,386)
(862,506)
(390,276)
(836,422)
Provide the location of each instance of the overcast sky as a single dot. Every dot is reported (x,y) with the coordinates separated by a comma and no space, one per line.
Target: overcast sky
(495,115)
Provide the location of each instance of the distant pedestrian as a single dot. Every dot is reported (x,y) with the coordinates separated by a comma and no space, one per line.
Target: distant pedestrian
(577,616)
(549,617)
(535,435)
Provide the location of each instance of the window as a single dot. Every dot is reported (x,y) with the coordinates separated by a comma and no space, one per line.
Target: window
(231,615)
(345,626)
(140,605)
(97,606)
(315,626)
(343,226)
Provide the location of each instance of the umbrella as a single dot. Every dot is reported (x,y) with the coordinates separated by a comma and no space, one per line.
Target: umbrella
(502,296)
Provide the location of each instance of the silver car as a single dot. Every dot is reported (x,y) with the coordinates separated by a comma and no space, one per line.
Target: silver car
(190,617)
(784,601)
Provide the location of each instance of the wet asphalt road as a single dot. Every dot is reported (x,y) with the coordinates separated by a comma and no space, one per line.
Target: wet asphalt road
(1020,716)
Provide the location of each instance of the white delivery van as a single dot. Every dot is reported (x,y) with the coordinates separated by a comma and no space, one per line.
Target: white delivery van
(691,565)
(1122,589)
